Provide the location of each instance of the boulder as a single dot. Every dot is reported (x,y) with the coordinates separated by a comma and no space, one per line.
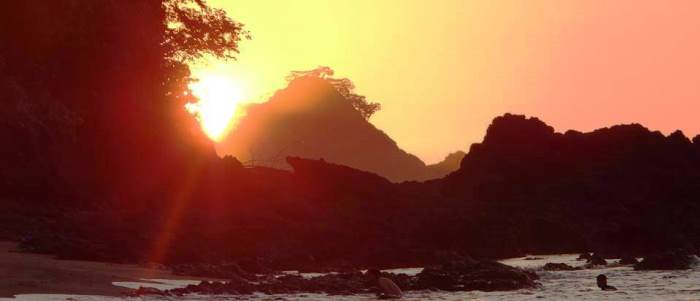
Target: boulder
(597,260)
(462,275)
(628,260)
(584,256)
(551,266)
(480,275)
(665,261)
(142,291)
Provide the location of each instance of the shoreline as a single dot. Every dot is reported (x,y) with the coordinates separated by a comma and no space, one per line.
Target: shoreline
(26,273)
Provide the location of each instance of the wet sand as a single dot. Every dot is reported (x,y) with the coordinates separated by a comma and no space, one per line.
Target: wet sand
(22,273)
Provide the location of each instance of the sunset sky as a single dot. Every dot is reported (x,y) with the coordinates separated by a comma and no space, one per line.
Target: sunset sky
(443,69)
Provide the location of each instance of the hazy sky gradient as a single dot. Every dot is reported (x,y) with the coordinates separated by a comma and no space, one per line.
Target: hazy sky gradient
(443,69)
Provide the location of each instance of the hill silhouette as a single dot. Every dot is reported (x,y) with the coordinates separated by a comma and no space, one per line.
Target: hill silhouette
(613,189)
(311,119)
(446,166)
(524,189)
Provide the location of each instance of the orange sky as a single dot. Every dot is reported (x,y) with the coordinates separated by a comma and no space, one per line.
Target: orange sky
(443,69)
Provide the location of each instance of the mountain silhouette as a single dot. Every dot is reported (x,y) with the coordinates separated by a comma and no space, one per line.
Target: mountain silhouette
(618,188)
(311,119)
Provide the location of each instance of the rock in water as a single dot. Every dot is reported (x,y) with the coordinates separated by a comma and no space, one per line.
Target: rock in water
(481,275)
(142,291)
(665,261)
(559,267)
(597,260)
(628,260)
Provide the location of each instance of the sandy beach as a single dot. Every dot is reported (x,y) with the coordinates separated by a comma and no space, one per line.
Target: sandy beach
(22,273)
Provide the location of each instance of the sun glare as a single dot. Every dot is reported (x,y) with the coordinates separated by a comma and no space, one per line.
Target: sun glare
(219,100)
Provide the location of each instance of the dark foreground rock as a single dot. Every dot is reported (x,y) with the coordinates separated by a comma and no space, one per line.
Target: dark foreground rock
(596,259)
(141,291)
(464,275)
(665,261)
(551,266)
(628,260)
(470,275)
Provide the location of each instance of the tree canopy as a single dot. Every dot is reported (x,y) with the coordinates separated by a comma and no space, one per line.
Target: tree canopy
(195,29)
(344,86)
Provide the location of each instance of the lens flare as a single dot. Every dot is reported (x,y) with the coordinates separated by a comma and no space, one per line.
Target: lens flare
(218,105)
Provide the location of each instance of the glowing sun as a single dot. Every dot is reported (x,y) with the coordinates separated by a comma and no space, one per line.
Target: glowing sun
(218,105)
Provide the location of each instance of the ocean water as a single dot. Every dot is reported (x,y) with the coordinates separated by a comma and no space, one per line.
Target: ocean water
(559,285)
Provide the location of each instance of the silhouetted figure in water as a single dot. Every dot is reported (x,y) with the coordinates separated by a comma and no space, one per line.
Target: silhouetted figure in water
(387,288)
(603,283)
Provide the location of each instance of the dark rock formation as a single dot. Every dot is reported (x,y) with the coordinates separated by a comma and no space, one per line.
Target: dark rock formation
(465,275)
(617,190)
(558,267)
(628,260)
(525,189)
(665,261)
(597,260)
(474,275)
(146,291)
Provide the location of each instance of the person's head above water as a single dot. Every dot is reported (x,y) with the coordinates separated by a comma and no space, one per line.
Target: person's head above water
(602,281)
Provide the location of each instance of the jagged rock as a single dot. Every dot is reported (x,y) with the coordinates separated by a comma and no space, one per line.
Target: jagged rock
(597,260)
(144,291)
(576,191)
(665,261)
(628,260)
(463,275)
(481,275)
(608,190)
(550,266)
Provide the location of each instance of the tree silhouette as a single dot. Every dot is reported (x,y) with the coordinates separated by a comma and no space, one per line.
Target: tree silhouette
(195,29)
(344,86)
(115,74)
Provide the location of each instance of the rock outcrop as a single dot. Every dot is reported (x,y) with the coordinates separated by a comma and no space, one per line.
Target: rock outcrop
(524,190)
(628,260)
(465,275)
(618,190)
(596,259)
(665,261)
(551,266)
